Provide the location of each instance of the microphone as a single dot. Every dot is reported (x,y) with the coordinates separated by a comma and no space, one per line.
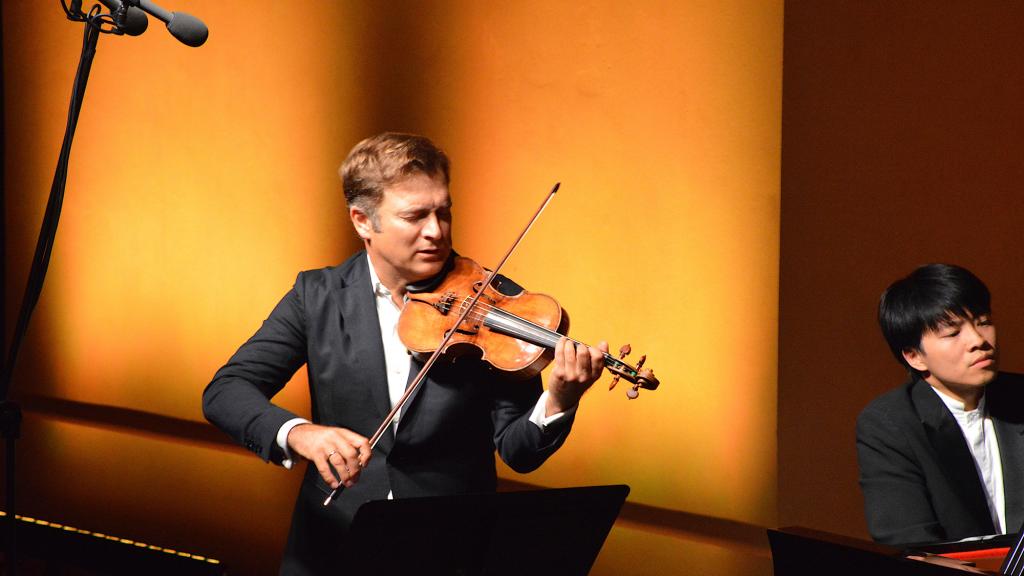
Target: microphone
(128,19)
(188,29)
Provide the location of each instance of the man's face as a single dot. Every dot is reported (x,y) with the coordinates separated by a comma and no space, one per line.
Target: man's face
(960,357)
(413,233)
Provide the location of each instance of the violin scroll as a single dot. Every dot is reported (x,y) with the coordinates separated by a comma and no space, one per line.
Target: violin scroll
(639,376)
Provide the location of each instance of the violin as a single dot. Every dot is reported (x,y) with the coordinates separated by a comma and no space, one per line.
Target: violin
(516,334)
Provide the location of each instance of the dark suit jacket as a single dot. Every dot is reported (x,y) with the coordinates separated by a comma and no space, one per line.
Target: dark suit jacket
(919,480)
(447,435)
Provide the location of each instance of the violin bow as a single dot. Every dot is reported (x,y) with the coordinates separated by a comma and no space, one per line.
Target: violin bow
(422,375)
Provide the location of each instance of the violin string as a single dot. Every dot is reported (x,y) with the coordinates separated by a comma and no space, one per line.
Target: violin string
(542,336)
(548,337)
(526,328)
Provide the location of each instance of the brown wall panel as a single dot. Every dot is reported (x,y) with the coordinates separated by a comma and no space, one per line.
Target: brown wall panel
(903,135)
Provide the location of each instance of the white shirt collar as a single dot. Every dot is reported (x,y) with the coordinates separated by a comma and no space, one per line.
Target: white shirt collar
(378,287)
(956,406)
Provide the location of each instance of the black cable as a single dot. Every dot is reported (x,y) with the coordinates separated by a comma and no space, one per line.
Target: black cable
(10,413)
(51,216)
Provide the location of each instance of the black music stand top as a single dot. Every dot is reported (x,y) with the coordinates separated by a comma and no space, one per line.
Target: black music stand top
(557,531)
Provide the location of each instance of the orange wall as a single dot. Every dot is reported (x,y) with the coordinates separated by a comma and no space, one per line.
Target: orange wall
(203,179)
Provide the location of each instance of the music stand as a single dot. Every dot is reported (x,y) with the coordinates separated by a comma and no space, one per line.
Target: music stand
(558,531)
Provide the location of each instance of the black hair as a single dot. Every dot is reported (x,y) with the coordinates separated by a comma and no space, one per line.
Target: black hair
(931,296)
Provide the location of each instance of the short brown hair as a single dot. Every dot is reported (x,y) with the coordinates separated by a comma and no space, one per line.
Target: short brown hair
(382,160)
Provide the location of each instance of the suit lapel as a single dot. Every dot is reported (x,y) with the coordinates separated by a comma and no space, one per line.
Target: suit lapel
(416,364)
(1011,446)
(952,452)
(414,369)
(1004,405)
(361,330)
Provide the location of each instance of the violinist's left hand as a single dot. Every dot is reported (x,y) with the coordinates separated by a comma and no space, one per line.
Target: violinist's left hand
(576,367)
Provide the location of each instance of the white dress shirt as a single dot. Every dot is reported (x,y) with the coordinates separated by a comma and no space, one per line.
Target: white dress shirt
(980,433)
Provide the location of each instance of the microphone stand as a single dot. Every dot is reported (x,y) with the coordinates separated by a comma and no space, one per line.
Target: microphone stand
(10,412)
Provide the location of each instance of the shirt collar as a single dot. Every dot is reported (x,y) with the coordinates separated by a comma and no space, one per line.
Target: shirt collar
(956,406)
(378,287)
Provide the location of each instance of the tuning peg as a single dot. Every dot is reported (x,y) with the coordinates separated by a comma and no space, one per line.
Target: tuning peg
(623,352)
(634,392)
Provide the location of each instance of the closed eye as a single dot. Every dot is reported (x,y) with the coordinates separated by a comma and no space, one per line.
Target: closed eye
(442,214)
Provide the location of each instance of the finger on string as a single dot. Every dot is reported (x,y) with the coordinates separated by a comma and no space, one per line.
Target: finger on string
(598,357)
(569,359)
(584,359)
(560,346)
(570,350)
(579,349)
(556,372)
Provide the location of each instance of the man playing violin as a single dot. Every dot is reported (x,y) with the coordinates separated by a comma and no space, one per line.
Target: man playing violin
(342,322)
(942,457)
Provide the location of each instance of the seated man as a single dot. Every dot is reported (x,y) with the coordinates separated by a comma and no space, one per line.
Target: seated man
(942,457)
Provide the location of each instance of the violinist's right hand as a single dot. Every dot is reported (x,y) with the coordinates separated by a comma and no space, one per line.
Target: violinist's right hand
(328,447)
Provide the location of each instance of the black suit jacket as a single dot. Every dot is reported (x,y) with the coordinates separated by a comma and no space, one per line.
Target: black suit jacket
(448,432)
(919,480)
